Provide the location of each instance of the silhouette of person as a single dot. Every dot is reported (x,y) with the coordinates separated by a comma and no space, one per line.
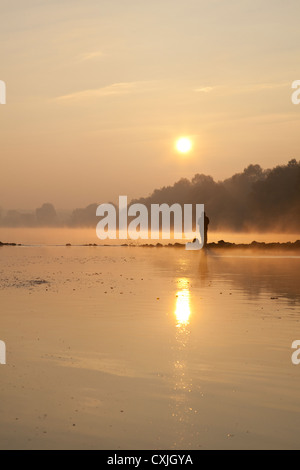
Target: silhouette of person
(203,228)
(206,224)
(203,223)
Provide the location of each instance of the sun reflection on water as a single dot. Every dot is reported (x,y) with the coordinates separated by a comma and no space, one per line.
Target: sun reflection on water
(183,309)
(182,380)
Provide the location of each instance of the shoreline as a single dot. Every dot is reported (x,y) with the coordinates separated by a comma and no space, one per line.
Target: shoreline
(10,244)
(221,245)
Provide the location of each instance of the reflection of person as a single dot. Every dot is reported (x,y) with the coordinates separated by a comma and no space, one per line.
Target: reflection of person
(203,267)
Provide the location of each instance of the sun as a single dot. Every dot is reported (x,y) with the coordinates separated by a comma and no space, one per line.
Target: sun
(184,145)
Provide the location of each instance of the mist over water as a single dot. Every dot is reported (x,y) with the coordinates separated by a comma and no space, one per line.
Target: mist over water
(255,200)
(82,236)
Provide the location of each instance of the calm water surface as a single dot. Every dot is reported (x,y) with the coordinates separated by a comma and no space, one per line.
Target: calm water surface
(137,348)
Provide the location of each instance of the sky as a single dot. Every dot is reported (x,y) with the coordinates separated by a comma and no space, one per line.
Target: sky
(99,91)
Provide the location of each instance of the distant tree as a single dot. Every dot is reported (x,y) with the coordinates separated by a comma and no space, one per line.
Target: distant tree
(84,217)
(254,199)
(46,215)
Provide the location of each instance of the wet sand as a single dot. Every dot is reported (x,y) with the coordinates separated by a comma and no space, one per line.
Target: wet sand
(131,348)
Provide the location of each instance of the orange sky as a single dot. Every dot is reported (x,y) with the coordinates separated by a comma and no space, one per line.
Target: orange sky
(98,91)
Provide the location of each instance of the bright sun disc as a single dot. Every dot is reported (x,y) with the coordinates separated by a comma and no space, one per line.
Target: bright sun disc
(184,145)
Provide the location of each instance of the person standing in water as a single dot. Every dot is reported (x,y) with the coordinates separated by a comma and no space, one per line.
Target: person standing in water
(204,226)
(203,223)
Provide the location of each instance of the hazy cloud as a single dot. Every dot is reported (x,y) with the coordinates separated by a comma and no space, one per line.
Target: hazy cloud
(206,89)
(263,86)
(234,89)
(90,56)
(123,88)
